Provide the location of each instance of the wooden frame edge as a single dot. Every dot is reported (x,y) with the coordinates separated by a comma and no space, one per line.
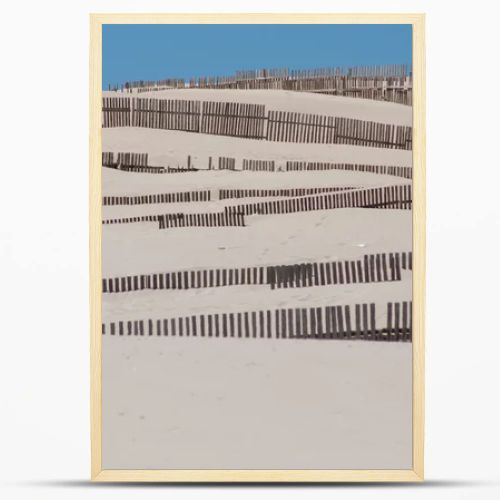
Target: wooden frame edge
(411,475)
(95,241)
(254,17)
(267,476)
(419,242)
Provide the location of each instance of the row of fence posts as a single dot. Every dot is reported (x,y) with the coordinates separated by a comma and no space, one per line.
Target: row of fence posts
(341,322)
(371,268)
(397,196)
(251,121)
(337,78)
(387,197)
(138,162)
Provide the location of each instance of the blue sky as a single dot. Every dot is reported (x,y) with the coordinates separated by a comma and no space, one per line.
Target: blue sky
(156,51)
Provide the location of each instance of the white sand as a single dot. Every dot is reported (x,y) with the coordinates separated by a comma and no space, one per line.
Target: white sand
(253,403)
(171,147)
(282,239)
(242,404)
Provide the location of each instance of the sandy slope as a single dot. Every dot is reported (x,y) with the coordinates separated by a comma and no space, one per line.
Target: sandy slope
(300,102)
(238,403)
(281,239)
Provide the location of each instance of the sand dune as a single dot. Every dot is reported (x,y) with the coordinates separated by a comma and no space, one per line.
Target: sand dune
(171,402)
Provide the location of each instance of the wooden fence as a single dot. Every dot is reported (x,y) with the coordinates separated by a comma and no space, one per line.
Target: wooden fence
(372,268)
(368,269)
(234,119)
(130,220)
(225,194)
(166,114)
(374,71)
(227,163)
(144,85)
(184,280)
(108,160)
(391,89)
(398,197)
(166,221)
(116,112)
(405,172)
(383,82)
(388,197)
(217,219)
(179,197)
(342,322)
(130,162)
(286,126)
(397,89)
(258,165)
(133,159)
(138,162)
(250,121)
(372,134)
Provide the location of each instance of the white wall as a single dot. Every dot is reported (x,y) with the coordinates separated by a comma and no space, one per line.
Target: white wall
(44,368)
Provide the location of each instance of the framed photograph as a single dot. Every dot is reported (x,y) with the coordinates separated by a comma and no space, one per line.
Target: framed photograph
(257,247)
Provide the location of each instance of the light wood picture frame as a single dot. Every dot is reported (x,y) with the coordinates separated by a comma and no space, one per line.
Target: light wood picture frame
(416,473)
